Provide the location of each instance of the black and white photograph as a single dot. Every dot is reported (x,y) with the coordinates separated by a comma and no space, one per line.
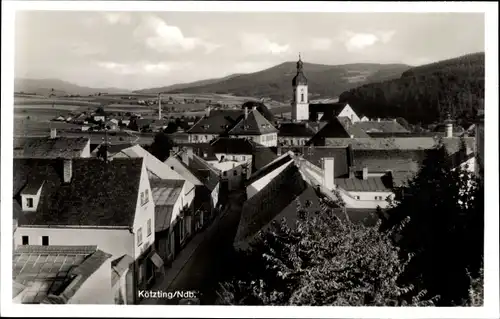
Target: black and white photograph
(173,155)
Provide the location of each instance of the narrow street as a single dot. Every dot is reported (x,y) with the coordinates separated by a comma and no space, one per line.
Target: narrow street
(207,264)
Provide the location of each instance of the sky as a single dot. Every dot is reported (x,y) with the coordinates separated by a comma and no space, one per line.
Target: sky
(135,50)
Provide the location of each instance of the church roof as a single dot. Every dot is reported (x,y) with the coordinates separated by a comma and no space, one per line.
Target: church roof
(300,78)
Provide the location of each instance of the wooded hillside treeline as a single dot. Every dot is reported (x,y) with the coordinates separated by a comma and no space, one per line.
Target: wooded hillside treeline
(425,94)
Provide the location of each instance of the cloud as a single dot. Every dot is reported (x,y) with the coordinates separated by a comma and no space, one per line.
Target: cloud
(250,67)
(321,44)
(86,49)
(162,37)
(143,67)
(117,17)
(260,44)
(359,41)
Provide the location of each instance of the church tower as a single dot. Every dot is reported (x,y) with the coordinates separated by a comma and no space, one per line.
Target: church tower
(300,103)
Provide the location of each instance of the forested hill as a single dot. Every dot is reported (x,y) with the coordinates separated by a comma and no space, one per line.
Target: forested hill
(425,94)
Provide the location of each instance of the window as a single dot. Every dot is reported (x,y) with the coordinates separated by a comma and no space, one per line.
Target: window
(139,237)
(149,227)
(26,240)
(302,97)
(142,198)
(29,202)
(172,167)
(224,174)
(378,197)
(243,158)
(235,172)
(357,197)
(45,240)
(146,196)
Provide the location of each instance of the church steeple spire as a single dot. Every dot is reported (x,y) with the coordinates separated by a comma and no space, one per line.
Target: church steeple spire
(300,77)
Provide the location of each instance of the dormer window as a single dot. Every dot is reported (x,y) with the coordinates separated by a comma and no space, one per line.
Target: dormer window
(30,195)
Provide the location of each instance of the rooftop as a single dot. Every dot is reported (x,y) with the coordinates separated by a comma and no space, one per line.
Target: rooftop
(382,126)
(46,147)
(100,194)
(315,155)
(40,271)
(226,145)
(371,184)
(218,122)
(278,162)
(276,200)
(165,195)
(295,129)
(254,124)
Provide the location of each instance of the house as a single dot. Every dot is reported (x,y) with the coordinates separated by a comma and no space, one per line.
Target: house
(259,179)
(364,119)
(60,118)
(61,275)
(255,127)
(213,124)
(294,133)
(237,150)
(337,128)
(173,217)
(179,137)
(99,117)
(51,147)
(263,155)
(85,128)
(328,111)
(88,201)
(277,200)
(379,126)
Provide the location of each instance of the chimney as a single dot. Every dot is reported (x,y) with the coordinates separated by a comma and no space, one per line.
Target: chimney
(365,173)
(254,108)
(187,154)
(159,106)
(378,120)
(246,113)
(207,111)
(351,172)
(278,151)
(328,173)
(53,133)
(449,126)
(67,170)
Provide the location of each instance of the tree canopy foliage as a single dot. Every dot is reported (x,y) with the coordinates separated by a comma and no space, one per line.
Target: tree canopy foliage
(426,93)
(161,146)
(426,250)
(444,207)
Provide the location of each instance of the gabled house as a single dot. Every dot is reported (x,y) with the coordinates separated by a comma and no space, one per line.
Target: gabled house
(233,153)
(277,200)
(204,204)
(379,126)
(88,201)
(294,134)
(61,275)
(329,111)
(172,216)
(337,128)
(51,147)
(259,179)
(255,127)
(213,125)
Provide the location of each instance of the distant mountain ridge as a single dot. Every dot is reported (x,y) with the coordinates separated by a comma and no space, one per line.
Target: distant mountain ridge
(45,86)
(181,86)
(325,81)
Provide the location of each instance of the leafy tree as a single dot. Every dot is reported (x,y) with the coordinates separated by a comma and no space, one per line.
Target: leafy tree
(132,125)
(161,146)
(321,261)
(440,218)
(171,128)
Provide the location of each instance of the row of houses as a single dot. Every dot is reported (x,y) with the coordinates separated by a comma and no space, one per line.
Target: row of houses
(98,223)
